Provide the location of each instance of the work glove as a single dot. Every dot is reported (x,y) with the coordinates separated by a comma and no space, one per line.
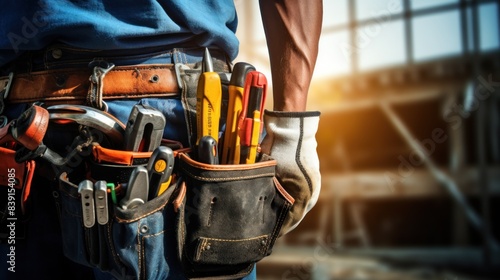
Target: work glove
(290,139)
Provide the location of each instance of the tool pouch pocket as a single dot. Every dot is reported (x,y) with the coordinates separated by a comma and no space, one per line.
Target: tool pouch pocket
(142,241)
(228,216)
(74,235)
(133,243)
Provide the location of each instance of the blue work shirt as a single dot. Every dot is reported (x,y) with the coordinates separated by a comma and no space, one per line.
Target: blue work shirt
(112,25)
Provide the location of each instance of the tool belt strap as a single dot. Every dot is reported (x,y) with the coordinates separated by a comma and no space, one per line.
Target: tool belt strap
(72,85)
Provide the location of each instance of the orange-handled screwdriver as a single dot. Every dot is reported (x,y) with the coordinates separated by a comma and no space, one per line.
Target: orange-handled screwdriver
(254,97)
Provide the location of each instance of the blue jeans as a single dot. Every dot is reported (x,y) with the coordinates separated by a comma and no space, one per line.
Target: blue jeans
(40,255)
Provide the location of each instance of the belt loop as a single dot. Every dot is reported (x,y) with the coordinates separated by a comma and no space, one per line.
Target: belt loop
(178,56)
(4,93)
(180,65)
(179,71)
(94,96)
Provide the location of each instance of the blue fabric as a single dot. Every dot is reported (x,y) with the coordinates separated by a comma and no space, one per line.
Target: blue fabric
(117,25)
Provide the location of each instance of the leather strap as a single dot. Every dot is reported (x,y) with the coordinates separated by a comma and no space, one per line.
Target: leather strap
(72,85)
(117,157)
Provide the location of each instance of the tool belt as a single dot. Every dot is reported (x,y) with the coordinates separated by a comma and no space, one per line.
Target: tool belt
(225,217)
(72,85)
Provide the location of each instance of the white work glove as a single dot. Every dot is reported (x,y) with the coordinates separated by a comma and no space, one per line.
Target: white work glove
(290,139)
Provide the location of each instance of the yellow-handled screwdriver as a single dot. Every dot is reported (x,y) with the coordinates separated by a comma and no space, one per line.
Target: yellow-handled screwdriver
(231,147)
(208,100)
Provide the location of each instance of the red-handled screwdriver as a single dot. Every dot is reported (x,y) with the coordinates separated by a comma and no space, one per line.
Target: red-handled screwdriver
(250,119)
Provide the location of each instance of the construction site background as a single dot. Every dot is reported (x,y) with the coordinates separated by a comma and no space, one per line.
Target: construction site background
(409,142)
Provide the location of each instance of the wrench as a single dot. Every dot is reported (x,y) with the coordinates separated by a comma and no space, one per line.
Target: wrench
(91,117)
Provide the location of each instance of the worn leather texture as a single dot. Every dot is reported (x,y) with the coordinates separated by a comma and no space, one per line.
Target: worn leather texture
(229,217)
(71,85)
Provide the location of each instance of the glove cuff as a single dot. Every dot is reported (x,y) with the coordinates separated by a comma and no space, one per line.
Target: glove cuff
(291,141)
(281,114)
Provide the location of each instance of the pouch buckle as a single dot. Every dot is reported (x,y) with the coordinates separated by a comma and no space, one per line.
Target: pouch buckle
(94,96)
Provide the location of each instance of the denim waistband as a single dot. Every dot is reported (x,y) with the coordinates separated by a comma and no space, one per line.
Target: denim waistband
(63,56)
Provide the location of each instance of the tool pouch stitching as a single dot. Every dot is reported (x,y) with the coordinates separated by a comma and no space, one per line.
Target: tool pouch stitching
(225,242)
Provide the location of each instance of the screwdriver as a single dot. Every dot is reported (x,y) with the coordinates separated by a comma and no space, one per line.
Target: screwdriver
(208,100)
(254,139)
(231,147)
(250,120)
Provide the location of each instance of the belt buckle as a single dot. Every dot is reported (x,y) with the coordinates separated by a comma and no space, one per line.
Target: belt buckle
(4,93)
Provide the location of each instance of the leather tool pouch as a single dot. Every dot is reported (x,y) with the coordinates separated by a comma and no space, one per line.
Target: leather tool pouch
(132,245)
(15,184)
(228,216)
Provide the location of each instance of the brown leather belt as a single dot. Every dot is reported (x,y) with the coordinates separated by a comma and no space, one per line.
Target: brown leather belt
(73,85)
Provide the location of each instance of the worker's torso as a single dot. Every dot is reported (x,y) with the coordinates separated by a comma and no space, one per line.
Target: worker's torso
(111,25)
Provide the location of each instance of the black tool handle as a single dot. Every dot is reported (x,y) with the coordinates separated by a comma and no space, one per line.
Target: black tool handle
(207,150)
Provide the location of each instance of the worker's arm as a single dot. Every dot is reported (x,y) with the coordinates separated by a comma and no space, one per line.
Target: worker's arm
(292,30)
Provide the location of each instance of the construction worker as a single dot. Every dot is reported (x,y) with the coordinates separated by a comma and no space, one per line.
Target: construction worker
(48,44)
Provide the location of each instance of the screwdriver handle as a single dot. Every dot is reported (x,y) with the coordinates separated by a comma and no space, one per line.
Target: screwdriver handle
(209,99)
(207,150)
(254,96)
(231,142)
(159,167)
